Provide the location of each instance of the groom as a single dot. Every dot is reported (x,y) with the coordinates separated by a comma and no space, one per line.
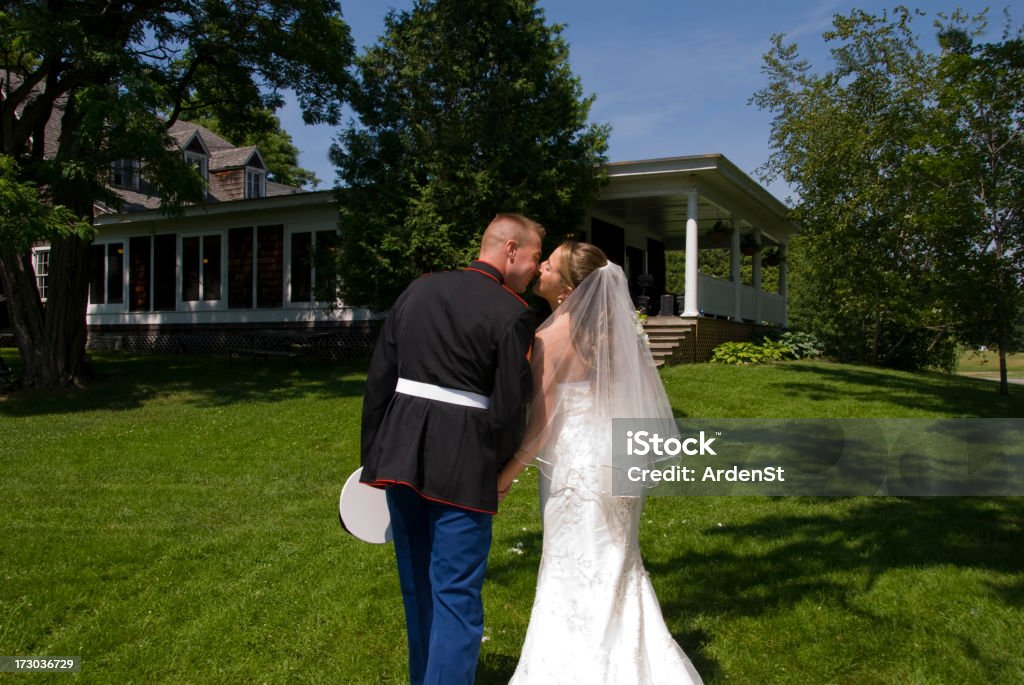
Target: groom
(443,411)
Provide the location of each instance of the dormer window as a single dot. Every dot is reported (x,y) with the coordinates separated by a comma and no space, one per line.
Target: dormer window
(255,183)
(125,173)
(199,161)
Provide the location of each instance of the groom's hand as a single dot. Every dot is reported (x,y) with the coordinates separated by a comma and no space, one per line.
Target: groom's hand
(502,494)
(504,485)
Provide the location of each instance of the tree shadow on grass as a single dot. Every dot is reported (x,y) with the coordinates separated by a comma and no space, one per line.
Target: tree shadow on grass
(802,553)
(495,669)
(126,381)
(868,540)
(929,392)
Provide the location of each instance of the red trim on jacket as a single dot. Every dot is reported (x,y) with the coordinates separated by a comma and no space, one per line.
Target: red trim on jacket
(493,278)
(490,276)
(514,294)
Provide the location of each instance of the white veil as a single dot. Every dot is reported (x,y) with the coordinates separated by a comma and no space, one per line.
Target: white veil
(594,341)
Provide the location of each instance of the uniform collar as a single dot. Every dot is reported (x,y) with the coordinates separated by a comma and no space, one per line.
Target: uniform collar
(488,269)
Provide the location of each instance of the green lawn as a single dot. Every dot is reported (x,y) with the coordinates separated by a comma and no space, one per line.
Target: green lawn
(176,523)
(986,364)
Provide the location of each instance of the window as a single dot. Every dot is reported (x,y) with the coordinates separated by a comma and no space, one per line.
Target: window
(106,273)
(151,277)
(269,266)
(41,262)
(255,183)
(211,267)
(256,267)
(165,267)
(200,268)
(139,274)
(198,161)
(307,282)
(302,267)
(240,268)
(326,278)
(125,173)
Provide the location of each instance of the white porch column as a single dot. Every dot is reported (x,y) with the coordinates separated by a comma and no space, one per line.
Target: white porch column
(734,273)
(784,281)
(756,278)
(691,306)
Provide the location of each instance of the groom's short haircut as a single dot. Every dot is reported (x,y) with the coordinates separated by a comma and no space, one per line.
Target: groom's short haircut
(508,226)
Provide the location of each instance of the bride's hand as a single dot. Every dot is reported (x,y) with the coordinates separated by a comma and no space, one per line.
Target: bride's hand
(510,472)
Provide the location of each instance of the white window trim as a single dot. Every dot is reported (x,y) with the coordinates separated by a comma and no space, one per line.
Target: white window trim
(42,280)
(201,160)
(261,175)
(135,169)
(313,303)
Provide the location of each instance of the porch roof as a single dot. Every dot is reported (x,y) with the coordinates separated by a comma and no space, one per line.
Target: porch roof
(653,194)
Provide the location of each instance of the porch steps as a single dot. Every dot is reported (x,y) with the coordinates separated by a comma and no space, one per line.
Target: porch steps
(670,338)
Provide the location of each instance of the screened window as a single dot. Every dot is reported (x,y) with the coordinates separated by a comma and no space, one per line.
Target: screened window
(310,265)
(240,268)
(152,272)
(200,263)
(270,266)
(106,274)
(139,273)
(256,267)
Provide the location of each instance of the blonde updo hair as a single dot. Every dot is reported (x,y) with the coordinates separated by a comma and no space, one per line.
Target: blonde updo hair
(578,261)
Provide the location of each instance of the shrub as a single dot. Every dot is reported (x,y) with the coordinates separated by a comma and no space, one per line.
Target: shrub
(802,345)
(750,353)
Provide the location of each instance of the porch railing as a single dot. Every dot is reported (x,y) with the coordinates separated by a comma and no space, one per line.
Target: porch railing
(717,297)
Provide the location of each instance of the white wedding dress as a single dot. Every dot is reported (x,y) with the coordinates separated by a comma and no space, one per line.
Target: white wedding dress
(595,616)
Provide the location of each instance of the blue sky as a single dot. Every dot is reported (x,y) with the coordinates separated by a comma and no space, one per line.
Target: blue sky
(671,77)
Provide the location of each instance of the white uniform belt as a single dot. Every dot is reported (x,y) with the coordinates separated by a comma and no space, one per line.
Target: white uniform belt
(436,392)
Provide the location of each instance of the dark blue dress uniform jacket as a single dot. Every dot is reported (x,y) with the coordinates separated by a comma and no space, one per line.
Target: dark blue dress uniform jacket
(462,330)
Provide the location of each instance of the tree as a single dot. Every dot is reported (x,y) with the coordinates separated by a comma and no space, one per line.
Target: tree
(263,129)
(978,126)
(106,71)
(465,108)
(879,151)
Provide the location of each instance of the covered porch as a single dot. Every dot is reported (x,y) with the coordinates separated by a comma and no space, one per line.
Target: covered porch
(699,240)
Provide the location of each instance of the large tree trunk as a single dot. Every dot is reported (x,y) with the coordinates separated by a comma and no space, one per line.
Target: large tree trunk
(65,362)
(51,336)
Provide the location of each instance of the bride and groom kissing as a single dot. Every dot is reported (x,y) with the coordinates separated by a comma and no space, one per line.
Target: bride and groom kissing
(444,431)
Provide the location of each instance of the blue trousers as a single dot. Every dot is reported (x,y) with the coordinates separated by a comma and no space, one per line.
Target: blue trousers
(442,558)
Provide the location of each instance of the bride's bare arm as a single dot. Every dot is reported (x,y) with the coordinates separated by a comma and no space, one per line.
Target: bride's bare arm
(549,365)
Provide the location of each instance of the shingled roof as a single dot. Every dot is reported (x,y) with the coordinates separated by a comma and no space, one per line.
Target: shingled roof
(225,166)
(183,131)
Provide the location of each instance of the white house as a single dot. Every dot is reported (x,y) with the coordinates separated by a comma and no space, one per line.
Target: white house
(237,272)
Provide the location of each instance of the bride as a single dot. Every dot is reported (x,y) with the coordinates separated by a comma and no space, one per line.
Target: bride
(595,616)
